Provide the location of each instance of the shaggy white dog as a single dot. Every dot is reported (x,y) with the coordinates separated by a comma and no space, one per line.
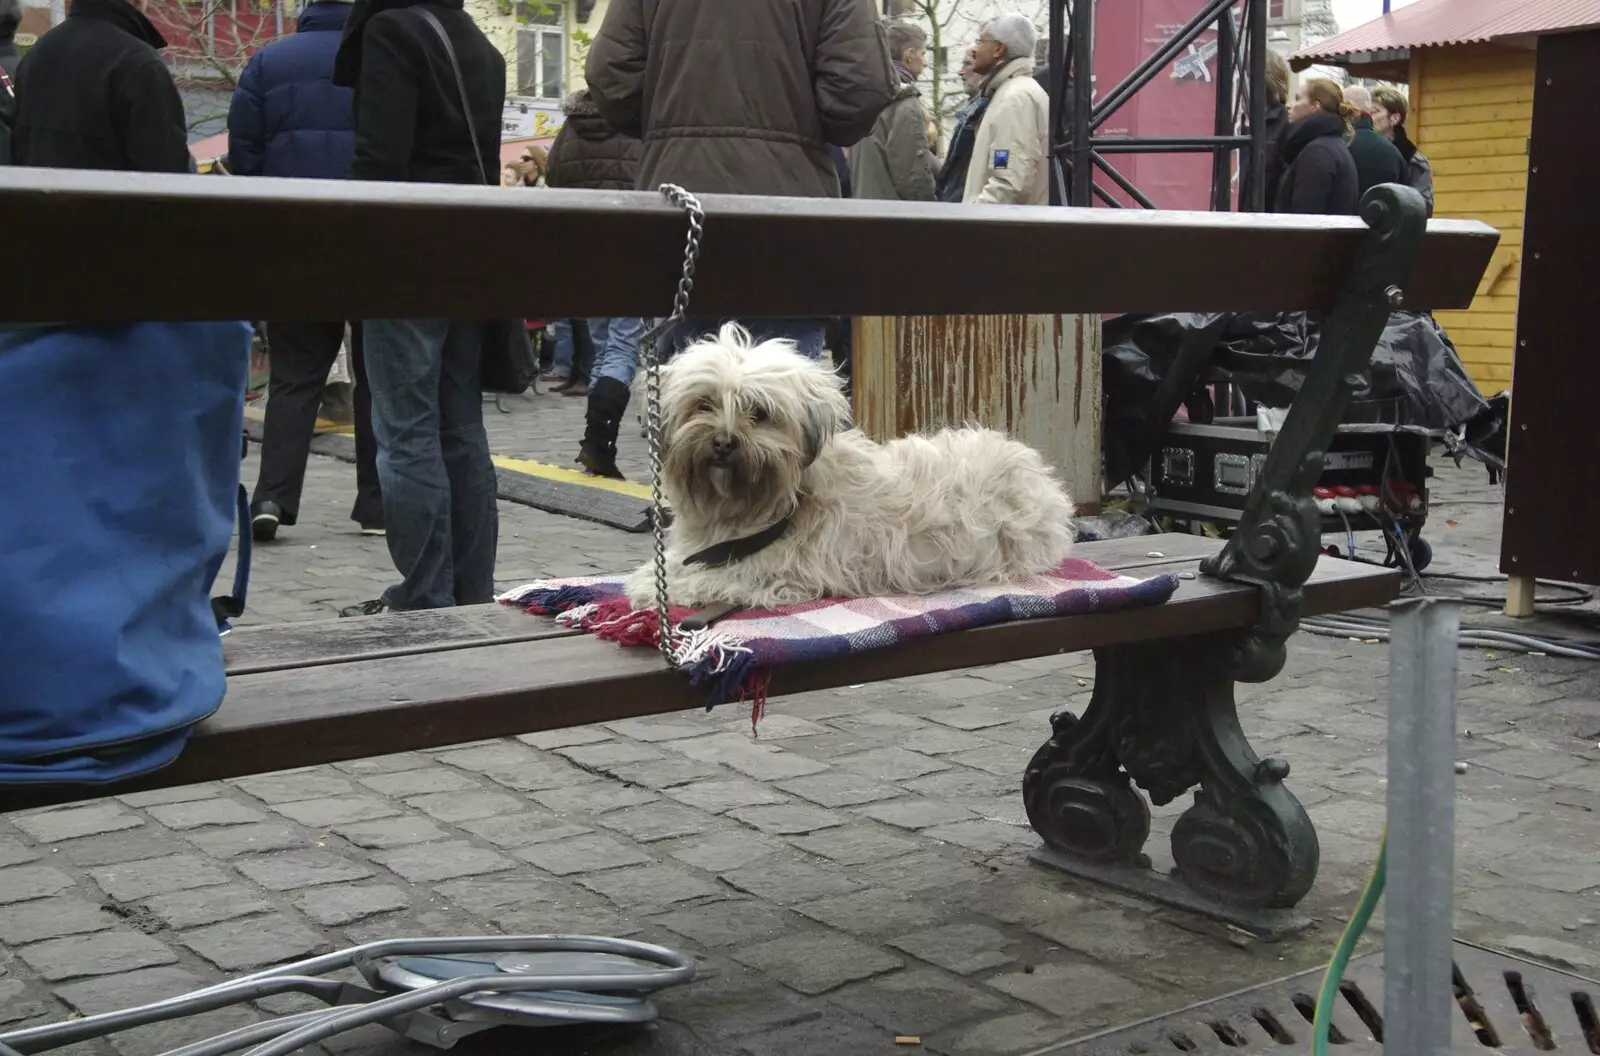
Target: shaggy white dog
(775,500)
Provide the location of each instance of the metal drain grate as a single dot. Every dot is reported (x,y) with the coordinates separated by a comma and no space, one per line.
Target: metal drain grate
(1507,1004)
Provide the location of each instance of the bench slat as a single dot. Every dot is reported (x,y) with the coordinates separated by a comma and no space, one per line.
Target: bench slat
(278,647)
(285,719)
(325,249)
(252,650)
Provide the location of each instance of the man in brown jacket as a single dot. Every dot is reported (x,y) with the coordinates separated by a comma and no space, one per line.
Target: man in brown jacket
(743,98)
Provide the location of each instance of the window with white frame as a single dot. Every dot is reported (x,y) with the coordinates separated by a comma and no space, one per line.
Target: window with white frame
(541,49)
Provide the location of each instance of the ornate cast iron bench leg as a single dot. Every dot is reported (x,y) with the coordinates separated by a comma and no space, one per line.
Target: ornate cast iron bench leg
(1162,715)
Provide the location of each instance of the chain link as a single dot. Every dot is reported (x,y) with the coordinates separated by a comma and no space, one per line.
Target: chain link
(652,390)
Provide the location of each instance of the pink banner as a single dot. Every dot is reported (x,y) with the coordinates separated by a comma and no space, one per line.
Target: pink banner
(1179,101)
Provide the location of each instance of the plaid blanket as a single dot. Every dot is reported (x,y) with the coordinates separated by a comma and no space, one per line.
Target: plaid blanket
(734,658)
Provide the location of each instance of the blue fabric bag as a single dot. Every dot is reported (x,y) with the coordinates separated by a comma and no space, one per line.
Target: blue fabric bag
(119,488)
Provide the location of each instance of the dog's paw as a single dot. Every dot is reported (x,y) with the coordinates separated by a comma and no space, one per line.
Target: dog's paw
(640,587)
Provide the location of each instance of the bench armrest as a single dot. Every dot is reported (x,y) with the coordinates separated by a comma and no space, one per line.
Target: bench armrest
(1280,532)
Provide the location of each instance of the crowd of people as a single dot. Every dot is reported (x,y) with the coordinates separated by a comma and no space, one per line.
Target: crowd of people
(718,98)
(1331,145)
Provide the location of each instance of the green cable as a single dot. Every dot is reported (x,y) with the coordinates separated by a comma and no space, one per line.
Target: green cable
(1347,943)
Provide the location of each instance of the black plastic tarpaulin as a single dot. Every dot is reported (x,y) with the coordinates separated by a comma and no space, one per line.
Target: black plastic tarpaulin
(1417,379)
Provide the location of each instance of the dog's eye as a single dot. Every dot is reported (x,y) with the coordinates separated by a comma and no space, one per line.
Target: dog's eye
(706,405)
(758,413)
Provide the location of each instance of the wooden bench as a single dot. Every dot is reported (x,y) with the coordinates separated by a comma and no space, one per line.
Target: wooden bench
(1162,716)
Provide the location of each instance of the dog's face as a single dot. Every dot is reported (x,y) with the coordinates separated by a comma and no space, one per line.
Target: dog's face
(742,422)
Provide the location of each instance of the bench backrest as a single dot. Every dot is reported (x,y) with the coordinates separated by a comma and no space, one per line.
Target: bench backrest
(154,247)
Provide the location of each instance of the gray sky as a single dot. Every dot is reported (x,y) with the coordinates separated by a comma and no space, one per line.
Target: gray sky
(1352,13)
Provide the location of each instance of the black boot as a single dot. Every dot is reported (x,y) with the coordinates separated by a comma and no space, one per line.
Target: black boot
(608,400)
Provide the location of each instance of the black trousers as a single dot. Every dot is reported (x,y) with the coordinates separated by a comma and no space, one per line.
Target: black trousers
(301,354)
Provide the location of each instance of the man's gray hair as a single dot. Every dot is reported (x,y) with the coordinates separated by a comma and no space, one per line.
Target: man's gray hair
(903,36)
(1017,33)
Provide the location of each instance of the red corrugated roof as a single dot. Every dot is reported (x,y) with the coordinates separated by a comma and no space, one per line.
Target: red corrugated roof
(1433,23)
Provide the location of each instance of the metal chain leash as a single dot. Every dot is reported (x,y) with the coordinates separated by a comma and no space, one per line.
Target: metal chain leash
(652,395)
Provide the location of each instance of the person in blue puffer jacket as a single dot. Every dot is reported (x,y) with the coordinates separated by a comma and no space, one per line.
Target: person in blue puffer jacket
(288,119)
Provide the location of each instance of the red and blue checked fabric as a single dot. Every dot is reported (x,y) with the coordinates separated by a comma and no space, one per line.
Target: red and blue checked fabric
(736,657)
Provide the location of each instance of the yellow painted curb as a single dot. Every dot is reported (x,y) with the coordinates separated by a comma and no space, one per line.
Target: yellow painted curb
(543,470)
(562,475)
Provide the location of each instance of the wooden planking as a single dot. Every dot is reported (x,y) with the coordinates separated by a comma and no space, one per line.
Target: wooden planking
(301,249)
(251,650)
(327,713)
(1458,201)
(1037,380)
(322,714)
(1513,92)
(1473,119)
(1479,114)
(1457,168)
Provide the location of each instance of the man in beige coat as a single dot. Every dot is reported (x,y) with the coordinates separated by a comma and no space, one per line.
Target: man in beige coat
(1010,158)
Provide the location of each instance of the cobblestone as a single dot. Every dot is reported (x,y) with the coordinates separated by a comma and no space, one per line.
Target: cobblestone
(24,882)
(287,872)
(44,918)
(657,821)
(208,905)
(737,922)
(69,823)
(13,852)
(649,886)
(390,832)
(814,963)
(790,819)
(202,812)
(253,942)
(235,840)
(720,796)
(336,810)
(581,854)
(594,798)
(429,862)
(918,1002)
(644,828)
(106,953)
(457,807)
(336,906)
(960,948)
(294,785)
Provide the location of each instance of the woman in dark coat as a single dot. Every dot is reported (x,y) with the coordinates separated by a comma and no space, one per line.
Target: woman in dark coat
(1319,175)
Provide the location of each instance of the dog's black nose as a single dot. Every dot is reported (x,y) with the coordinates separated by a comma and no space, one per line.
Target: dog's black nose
(723,445)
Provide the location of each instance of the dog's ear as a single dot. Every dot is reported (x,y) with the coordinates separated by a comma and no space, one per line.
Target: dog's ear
(827,412)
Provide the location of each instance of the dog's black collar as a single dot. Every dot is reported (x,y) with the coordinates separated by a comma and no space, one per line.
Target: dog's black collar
(719,554)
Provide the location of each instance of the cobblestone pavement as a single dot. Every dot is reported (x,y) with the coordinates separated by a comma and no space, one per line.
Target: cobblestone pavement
(857,872)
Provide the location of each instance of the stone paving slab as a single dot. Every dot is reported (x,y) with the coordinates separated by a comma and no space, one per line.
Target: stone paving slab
(856,871)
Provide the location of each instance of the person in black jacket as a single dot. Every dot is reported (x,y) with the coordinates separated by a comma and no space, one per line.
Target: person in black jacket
(1272,132)
(589,154)
(438,482)
(1319,174)
(94,94)
(1377,160)
(288,119)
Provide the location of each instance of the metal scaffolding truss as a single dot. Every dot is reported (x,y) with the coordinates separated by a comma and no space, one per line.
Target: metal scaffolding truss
(1076,115)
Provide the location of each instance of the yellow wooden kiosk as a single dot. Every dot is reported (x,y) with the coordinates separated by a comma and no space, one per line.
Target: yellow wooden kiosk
(1471,66)
(1502,97)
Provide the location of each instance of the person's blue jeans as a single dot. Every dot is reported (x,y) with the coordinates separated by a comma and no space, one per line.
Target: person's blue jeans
(439,500)
(807,334)
(561,358)
(616,343)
